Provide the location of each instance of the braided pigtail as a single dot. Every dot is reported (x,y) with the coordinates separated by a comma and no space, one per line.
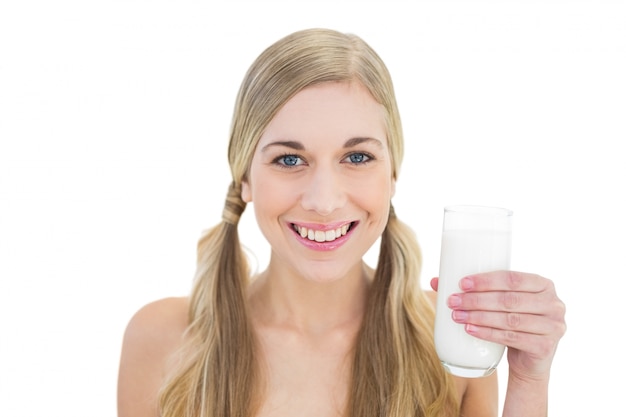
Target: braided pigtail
(395,351)
(219,375)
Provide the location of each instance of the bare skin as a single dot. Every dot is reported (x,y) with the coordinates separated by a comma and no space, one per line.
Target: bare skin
(306,332)
(306,360)
(307,363)
(152,336)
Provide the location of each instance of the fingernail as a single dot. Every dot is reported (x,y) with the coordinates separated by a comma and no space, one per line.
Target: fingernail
(466,284)
(459,315)
(471,329)
(454,301)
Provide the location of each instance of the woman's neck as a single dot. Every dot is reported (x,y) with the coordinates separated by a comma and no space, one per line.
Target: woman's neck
(280,299)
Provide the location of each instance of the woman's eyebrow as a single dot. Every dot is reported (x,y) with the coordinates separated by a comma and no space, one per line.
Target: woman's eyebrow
(350,143)
(298,146)
(286,143)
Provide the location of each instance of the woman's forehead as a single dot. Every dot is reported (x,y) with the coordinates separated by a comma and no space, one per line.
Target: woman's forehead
(339,110)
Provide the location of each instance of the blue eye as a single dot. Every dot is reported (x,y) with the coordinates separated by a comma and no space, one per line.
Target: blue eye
(358,158)
(289,160)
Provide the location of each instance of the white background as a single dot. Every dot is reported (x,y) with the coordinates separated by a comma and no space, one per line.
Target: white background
(114,117)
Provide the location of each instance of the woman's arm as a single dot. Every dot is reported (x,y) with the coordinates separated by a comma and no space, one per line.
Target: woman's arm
(526,398)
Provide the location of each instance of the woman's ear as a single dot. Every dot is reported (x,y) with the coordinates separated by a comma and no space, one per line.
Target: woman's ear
(246,192)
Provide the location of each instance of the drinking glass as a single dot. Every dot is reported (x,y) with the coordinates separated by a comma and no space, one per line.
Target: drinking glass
(474,239)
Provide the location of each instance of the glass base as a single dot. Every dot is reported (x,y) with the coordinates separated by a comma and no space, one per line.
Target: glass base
(466,372)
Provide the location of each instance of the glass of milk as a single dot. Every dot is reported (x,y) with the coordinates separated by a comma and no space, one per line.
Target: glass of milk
(475,239)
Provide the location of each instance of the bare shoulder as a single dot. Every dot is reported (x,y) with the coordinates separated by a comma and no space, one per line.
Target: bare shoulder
(153,334)
(159,320)
(432,296)
(479,396)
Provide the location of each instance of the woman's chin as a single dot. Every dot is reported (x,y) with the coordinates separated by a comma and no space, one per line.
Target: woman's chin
(330,272)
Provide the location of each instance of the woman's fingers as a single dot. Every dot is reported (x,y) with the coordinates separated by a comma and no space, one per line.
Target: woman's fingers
(516,309)
(506,281)
(508,291)
(534,345)
(506,301)
(527,323)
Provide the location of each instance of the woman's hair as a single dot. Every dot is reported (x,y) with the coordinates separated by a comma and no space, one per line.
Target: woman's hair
(395,371)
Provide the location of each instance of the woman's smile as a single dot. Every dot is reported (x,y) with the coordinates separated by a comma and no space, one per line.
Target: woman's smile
(323,237)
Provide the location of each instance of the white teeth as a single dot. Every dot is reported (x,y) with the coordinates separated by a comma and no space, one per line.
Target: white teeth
(322,236)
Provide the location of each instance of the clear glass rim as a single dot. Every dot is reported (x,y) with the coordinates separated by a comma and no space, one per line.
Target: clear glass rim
(479,210)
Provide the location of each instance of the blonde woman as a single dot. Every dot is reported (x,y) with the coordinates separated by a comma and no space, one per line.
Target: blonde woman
(316,145)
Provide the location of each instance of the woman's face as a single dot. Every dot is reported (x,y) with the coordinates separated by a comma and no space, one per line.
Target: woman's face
(321,181)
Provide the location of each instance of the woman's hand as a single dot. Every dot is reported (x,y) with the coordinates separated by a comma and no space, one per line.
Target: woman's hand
(519,310)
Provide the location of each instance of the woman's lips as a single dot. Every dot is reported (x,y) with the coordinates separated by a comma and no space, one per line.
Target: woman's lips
(322,234)
(323,237)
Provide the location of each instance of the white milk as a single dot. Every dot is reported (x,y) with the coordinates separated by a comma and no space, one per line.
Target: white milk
(465,252)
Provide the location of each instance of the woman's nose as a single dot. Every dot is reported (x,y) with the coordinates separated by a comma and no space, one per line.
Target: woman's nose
(323,192)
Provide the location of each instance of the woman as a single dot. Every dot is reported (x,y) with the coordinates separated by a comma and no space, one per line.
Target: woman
(316,145)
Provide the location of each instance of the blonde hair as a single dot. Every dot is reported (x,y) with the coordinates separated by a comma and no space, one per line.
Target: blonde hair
(396,371)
